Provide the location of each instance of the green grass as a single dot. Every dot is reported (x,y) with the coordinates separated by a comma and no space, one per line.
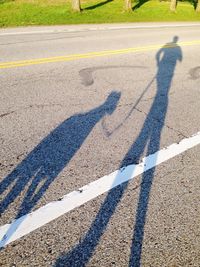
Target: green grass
(49,12)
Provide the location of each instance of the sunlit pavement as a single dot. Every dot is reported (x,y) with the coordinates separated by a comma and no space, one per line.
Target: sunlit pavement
(77,106)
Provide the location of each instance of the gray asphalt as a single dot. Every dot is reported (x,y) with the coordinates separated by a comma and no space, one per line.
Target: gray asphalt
(62,125)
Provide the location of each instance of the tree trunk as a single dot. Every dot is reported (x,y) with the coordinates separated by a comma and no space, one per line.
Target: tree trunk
(198,6)
(128,5)
(76,5)
(173,5)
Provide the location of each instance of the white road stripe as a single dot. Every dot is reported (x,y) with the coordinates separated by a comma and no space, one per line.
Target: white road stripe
(67,29)
(32,221)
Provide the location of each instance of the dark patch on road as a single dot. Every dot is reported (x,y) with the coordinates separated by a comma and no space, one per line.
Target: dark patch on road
(195,73)
(86,74)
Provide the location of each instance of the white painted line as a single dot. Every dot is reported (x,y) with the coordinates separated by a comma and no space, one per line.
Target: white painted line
(97,28)
(153,26)
(29,32)
(32,221)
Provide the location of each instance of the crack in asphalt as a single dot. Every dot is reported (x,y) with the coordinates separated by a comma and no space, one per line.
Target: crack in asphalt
(29,107)
(166,125)
(6,114)
(43,40)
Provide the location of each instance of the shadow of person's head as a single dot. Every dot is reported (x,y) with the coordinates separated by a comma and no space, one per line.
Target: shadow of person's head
(175,39)
(112,101)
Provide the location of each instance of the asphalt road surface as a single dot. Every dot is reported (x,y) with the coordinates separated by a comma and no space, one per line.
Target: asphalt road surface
(107,116)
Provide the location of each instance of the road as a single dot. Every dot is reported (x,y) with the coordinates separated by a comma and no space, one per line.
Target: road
(100,155)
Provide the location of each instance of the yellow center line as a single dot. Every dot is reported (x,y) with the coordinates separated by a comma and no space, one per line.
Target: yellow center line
(22,63)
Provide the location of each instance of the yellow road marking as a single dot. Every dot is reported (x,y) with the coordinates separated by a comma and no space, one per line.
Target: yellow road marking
(21,63)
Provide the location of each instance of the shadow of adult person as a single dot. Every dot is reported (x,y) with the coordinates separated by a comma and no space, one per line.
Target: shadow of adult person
(149,138)
(150,134)
(39,169)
